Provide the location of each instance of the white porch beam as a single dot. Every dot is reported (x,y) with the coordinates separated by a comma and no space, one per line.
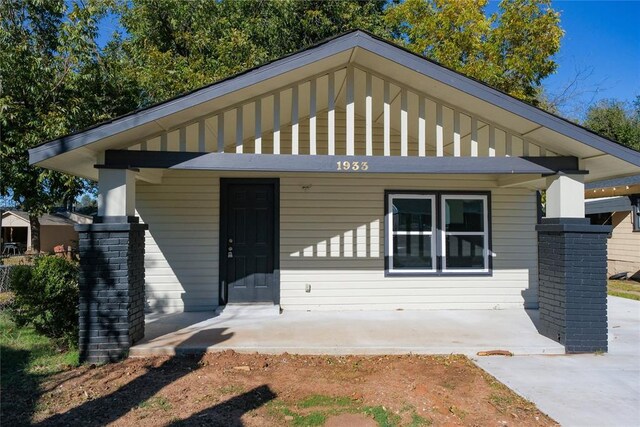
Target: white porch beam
(351,108)
(404,123)
(116,192)
(201,136)
(258,127)
(276,123)
(456,134)
(221,133)
(474,137)
(331,115)
(422,128)
(439,131)
(565,196)
(369,116)
(492,140)
(183,138)
(295,126)
(313,132)
(387,120)
(239,129)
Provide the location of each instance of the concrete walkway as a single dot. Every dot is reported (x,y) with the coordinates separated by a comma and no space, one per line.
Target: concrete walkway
(583,390)
(251,329)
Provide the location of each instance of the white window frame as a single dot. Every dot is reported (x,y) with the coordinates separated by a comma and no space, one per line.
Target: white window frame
(443,233)
(390,232)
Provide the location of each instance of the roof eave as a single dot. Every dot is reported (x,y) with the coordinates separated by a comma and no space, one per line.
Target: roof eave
(315,53)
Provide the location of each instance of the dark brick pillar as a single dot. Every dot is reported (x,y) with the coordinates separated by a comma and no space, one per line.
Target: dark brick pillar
(572,259)
(111,287)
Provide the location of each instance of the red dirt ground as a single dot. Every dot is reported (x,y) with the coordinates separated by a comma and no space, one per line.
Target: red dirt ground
(234,389)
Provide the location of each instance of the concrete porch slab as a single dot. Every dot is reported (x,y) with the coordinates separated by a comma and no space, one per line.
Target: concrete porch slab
(351,332)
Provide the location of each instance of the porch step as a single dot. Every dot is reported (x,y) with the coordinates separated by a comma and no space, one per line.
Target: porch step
(248,310)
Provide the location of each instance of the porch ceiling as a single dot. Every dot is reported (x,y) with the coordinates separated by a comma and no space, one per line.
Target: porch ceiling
(78,153)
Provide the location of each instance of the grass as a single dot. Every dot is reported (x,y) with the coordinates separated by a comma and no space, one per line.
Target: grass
(156,402)
(629,289)
(43,357)
(27,359)
(320,400)
(316,409)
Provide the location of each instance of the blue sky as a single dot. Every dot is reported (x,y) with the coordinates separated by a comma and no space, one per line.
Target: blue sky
(601,41)
(600,52)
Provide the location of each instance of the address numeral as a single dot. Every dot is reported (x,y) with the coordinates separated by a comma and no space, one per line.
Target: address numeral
(346,165)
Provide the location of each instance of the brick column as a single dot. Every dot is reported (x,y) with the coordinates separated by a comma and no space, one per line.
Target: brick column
(572,259)
(111,287)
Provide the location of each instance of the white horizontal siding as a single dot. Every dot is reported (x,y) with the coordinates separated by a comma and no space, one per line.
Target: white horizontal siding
(181,245)
(623,248)
(331,237)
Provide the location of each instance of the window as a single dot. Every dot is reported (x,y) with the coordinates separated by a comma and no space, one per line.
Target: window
(635,212)
(411,221)
(437,233)
(465,236)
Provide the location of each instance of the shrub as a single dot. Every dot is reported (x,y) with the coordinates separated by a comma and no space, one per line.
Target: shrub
(46,297)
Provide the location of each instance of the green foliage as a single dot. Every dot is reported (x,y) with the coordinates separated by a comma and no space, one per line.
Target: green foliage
(510,49)
(27,359)
(616,120)
(46,297)
(53,81)
(174,46)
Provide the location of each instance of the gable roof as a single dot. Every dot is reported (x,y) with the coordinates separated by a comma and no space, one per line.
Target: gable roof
(363,48)
(58,218)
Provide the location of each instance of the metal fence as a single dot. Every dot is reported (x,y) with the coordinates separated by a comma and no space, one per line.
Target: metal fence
(5,272)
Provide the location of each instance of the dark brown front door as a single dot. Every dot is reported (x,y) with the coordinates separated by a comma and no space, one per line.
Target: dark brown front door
(248,233)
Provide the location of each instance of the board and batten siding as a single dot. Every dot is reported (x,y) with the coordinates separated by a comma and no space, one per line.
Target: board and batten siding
(331,238)
(623,247)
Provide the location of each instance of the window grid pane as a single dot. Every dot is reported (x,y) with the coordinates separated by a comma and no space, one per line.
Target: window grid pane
(464,231)
(411,228)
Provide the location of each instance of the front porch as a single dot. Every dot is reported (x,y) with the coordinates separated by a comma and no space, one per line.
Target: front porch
(316,183)
(262,329)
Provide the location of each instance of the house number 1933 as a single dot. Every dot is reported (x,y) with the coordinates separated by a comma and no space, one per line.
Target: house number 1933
(346,165)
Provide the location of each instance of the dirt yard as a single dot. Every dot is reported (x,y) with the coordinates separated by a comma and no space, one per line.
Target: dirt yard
(262,390)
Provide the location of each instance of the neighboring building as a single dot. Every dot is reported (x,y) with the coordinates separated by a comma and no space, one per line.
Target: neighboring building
(616,202)
(55,229)
(353,175)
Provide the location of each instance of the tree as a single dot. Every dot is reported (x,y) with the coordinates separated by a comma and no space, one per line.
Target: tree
(52,82)
(510,50)
(174,46)
(616,120)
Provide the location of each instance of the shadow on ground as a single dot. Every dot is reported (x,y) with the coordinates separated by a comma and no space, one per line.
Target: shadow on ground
(19,389)
(111,407)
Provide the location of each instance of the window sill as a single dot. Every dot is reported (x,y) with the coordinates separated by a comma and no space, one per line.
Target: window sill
(438,274)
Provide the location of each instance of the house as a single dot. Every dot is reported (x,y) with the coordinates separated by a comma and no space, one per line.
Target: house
(55,229)
(352,175)
(616,202)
